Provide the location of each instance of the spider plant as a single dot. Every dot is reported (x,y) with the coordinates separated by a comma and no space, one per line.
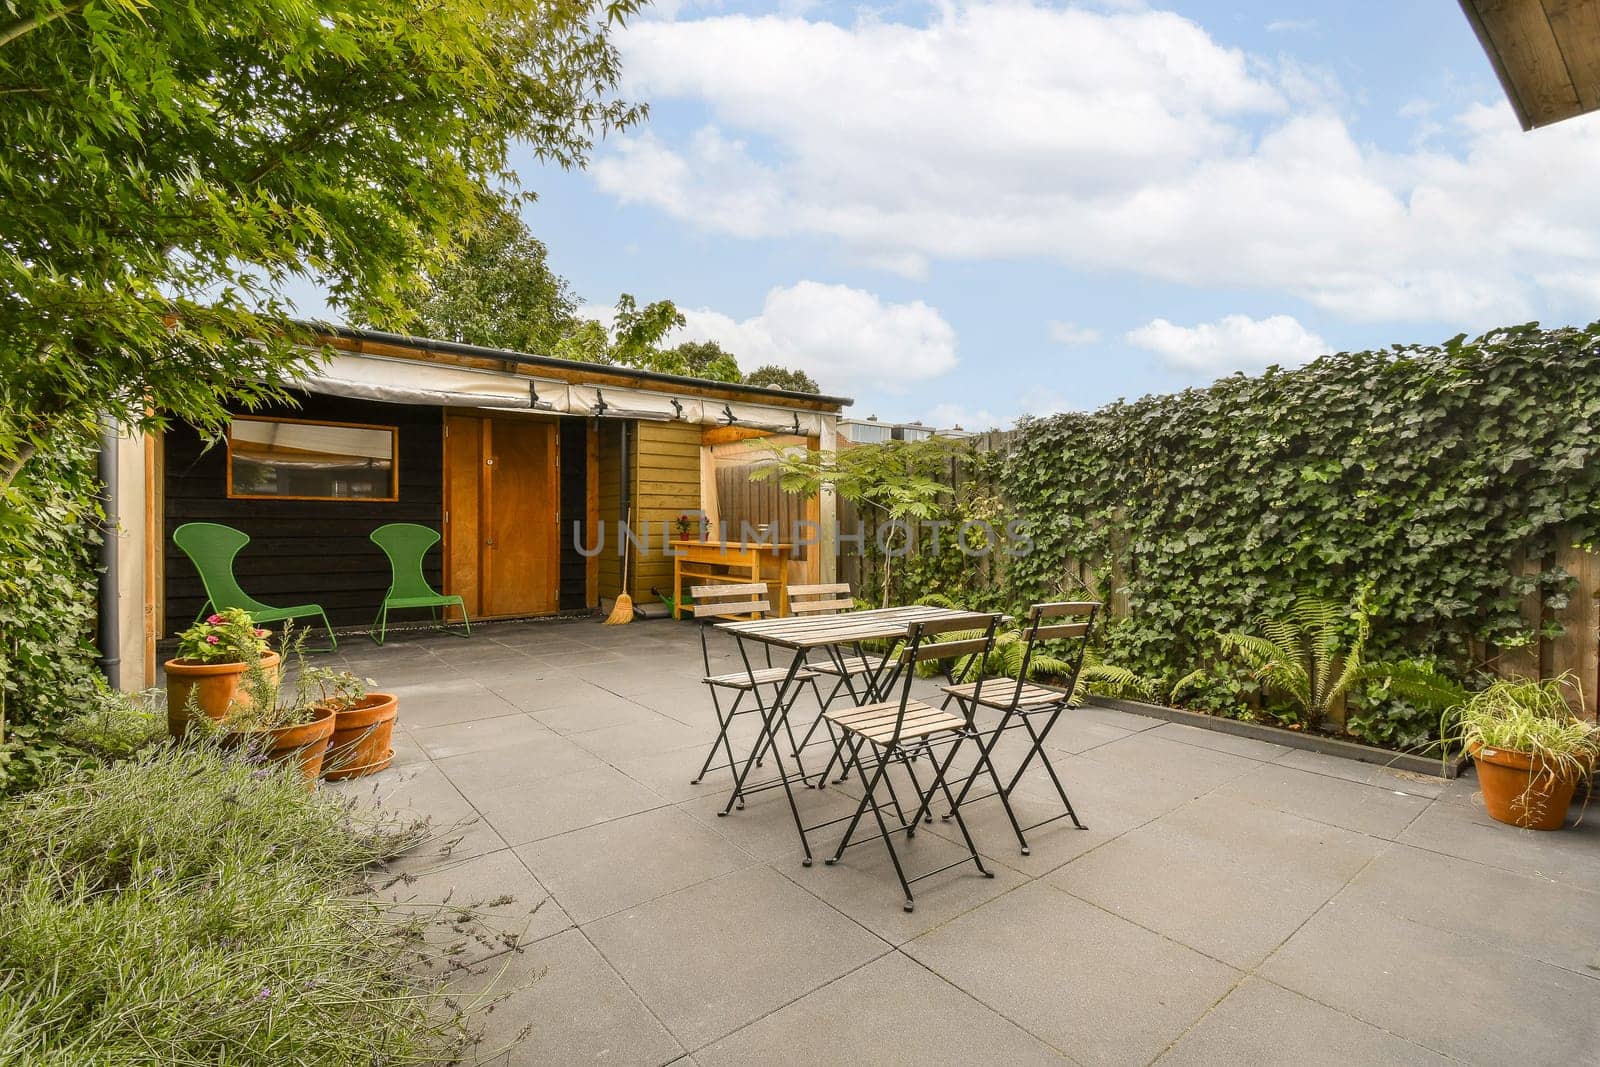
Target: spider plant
(1534,718)
(1306,656)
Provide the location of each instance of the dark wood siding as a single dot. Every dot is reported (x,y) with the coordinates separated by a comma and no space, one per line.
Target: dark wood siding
(574,506)
(304,551)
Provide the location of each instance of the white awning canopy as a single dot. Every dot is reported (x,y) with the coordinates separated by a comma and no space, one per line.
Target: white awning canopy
(402,381)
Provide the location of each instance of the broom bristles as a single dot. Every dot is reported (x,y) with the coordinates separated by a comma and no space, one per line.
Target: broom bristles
(621,611)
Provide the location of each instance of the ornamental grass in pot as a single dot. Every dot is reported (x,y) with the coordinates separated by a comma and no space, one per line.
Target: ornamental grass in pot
(213,656)
(282,723)
(1531,749)
(363,724)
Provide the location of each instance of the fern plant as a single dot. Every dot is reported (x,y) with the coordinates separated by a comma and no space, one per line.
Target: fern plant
(1307,657)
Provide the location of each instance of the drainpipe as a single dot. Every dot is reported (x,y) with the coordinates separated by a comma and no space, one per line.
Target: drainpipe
(110,616)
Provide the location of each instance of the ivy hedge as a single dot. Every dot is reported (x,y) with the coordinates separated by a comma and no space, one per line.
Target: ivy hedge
(1419,473)
(49,554)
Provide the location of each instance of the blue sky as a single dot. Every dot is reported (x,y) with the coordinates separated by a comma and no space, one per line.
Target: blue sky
(966,212)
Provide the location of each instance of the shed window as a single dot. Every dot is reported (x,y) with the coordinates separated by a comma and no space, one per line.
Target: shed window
(292,459)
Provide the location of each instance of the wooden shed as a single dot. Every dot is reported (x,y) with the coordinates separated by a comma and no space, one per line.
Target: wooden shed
(1546,52)
(528,466)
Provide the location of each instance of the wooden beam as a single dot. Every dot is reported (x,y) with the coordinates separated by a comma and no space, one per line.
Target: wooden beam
(1521,43)
(726,435)
(1576,24)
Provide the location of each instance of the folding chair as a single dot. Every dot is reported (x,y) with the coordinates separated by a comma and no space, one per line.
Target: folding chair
(845,669)
(729,603)
(212,547)
(1020,702)
(886,733)
(831,599)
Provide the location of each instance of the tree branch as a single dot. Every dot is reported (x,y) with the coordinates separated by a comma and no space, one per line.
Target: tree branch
(14,466)
(28,25)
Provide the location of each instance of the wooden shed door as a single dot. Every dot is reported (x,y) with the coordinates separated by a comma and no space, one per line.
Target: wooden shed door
(501,513)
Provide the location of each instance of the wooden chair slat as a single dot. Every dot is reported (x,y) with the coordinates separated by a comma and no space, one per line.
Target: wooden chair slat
(817,590)
(737,608)
(1061,631)
(798,607)
(746,589)
(950,624)
(948,649)
(1065,607)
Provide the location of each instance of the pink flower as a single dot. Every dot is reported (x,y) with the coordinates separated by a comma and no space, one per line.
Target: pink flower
(213,620)
(213,639)
(262,633)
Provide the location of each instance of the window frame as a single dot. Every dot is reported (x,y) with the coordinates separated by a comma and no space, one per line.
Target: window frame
(394,462)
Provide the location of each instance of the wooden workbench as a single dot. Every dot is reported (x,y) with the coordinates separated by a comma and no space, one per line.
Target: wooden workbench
(731,562)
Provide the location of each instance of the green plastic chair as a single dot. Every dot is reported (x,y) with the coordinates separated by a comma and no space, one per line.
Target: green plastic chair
(406,543)
(212,548)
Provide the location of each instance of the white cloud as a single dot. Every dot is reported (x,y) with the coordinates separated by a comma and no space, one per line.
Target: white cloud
(1234,342)
(1071,334)
(847,339)
(1291,25)
(1124,141)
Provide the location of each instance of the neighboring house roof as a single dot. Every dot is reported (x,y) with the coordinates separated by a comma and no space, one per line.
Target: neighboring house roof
(379,343)
(1546,52)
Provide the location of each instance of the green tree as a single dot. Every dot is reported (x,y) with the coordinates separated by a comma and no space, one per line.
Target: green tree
(897,484)
(703,359)
(166,167)
(498,291)
(796,381)
(637,332)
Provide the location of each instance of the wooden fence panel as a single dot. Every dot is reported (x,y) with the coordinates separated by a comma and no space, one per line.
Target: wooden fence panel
(1578,648)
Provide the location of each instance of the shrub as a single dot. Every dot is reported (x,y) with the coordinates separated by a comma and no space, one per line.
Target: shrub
(184,907)
(49,535)
(1424,471)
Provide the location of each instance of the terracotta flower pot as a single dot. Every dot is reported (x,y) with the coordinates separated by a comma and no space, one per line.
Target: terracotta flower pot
(361,736)
(304,745)
(1518,793)
(215,686)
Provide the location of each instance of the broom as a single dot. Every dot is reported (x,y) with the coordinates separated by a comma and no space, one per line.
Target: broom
(622,610)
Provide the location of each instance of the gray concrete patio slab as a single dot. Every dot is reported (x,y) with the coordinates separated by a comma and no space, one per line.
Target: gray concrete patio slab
(1440,988)
(1083,980)
(1263,1025)
(568,1006)
(1230,902)
(550,806)
(603,869)
(905,1014)
(717,956)
(533,759)
(507,904)
(1377,810)
(1182,875)
(477,735)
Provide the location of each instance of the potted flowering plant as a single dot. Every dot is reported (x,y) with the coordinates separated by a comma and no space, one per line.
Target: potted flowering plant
(691,526)
(282,723)
(363,723)
(213,656)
